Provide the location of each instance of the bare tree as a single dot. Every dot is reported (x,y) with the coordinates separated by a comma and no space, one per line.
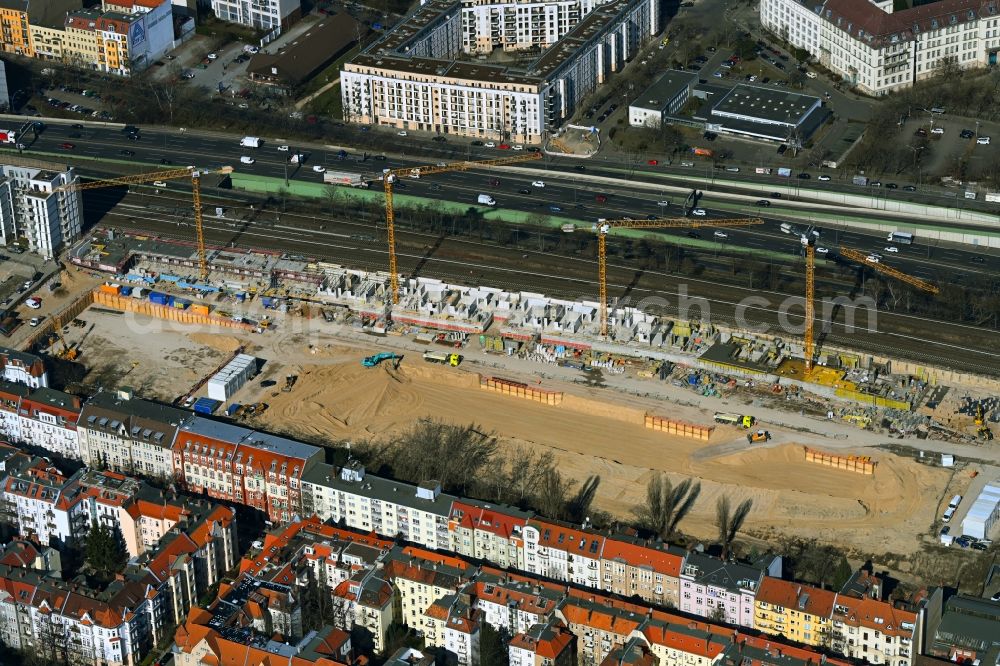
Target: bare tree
(552,494)
(666,505)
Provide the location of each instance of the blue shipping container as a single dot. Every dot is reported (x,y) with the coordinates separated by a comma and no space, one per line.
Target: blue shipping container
(158,298)
(206,405)
(232,409)
(126,291)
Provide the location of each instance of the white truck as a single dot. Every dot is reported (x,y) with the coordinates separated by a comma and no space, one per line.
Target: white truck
(250,142)
(486,200)
(345,178)
(901,237)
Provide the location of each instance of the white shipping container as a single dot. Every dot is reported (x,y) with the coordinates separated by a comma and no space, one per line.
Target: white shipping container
(232,377)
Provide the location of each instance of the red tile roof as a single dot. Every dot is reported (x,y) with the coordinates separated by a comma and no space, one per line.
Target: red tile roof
(658,560)
(796,596)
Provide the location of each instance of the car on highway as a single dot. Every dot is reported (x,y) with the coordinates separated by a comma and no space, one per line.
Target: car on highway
(282,149)
(983,141)
(825,178)
(663,203)
(763,203)
(67,146)
(875,183)
(579,167)
(134,137)
(909,188)
(937,130)
(538,183)
(245,159)
(159,183)
(555,209)
(822,250)
(503,146)
(524,190)
(76,126)
(891,186)
(653,162)
(720,234)
(490,144)
(601,198)
(319,169)
(402,133)
(890,248)
(873,258)
(977,259)
(700,212)
(127,153)
(804,176)
(775,195)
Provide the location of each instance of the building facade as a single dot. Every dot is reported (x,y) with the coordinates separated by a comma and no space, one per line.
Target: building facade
(877,49)
(23,368)
(46,215)
(263,14)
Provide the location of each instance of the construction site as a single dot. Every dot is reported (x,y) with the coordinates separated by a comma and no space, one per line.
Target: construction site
(343,354)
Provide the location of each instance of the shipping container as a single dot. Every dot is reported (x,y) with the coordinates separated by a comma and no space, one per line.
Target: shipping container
(233,408)
(180,304)
(159,298)
(110,289)
(126,291)
(206,405)
(232,377)
(198,308)
(138,292)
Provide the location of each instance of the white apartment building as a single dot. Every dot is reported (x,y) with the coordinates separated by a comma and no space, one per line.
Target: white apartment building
(489,24)
(563,553)
(414,77)
(128,434)
(47,218)
(879,50)
(23,368)
(36,500)
(43,417)
(417,513)
(260,14)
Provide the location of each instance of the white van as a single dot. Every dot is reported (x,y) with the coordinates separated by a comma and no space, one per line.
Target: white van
(811,75)
(955,501)
(247,160)
(948,513)
(486,200)
(786,228)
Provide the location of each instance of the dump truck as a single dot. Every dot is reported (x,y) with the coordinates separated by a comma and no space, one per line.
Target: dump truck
(759,436)
(442,357)
(345,178)
(735,419)
(376,359)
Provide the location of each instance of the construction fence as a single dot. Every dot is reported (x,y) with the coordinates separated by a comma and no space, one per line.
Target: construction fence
(679,428)
(857,464)
(520,390)
(182,316)
(873,400)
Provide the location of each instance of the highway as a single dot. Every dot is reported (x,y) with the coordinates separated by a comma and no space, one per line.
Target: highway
(357,243)
(563,189)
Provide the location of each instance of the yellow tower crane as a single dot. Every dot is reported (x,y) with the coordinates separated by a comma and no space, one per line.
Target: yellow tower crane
(169,174)
(862,258)
(389,177)
(809,346)
(604,226)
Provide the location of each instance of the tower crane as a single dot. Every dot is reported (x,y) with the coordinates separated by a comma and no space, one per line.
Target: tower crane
(604,226)
(862,258)
(389,177)
(168,174)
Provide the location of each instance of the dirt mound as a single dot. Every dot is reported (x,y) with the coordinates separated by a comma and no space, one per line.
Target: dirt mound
(223,343)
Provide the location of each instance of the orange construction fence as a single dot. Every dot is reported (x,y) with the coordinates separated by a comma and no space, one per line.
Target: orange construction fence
(185,316)
(520,390)
(679,428)
(858,464)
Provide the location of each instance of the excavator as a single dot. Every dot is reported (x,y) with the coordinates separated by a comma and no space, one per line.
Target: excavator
(376,359)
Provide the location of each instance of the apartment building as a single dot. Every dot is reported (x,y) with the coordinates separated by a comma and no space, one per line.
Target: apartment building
(557,551)
(48,217)
(450,622)
(349,496)
(121,432)
(35,499)
(649,571)
(723,590)
(21,367)
(549,644)
(488,24)
(261,14)
(45,417)
(18,16)
(874,631)
(801,613)
(419,579)
(513,604)
(366,600)
(237,464)
(878,49)
(415,76)
(479,530)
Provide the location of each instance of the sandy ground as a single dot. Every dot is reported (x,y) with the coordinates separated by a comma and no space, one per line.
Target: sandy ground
(595,431)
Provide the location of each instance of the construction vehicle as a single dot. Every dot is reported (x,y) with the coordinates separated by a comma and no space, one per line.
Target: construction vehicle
(985,433)
(759,436)
(980,418)
(442,357)
(67,353)
(604,226)
(376,359)
(289,383)
(740,420)
(170,174)
(389,176)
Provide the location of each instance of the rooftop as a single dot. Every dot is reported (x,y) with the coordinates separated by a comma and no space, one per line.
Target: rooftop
(766,104)
(658,96)
(386,490)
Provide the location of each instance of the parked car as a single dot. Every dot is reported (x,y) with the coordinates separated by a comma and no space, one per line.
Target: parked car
(937,130)
(653,162)
(720,234)
(983,141)
(825,178)
(321,169)
(700,212)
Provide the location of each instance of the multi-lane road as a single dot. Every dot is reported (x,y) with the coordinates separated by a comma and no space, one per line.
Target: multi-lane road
(568,193)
